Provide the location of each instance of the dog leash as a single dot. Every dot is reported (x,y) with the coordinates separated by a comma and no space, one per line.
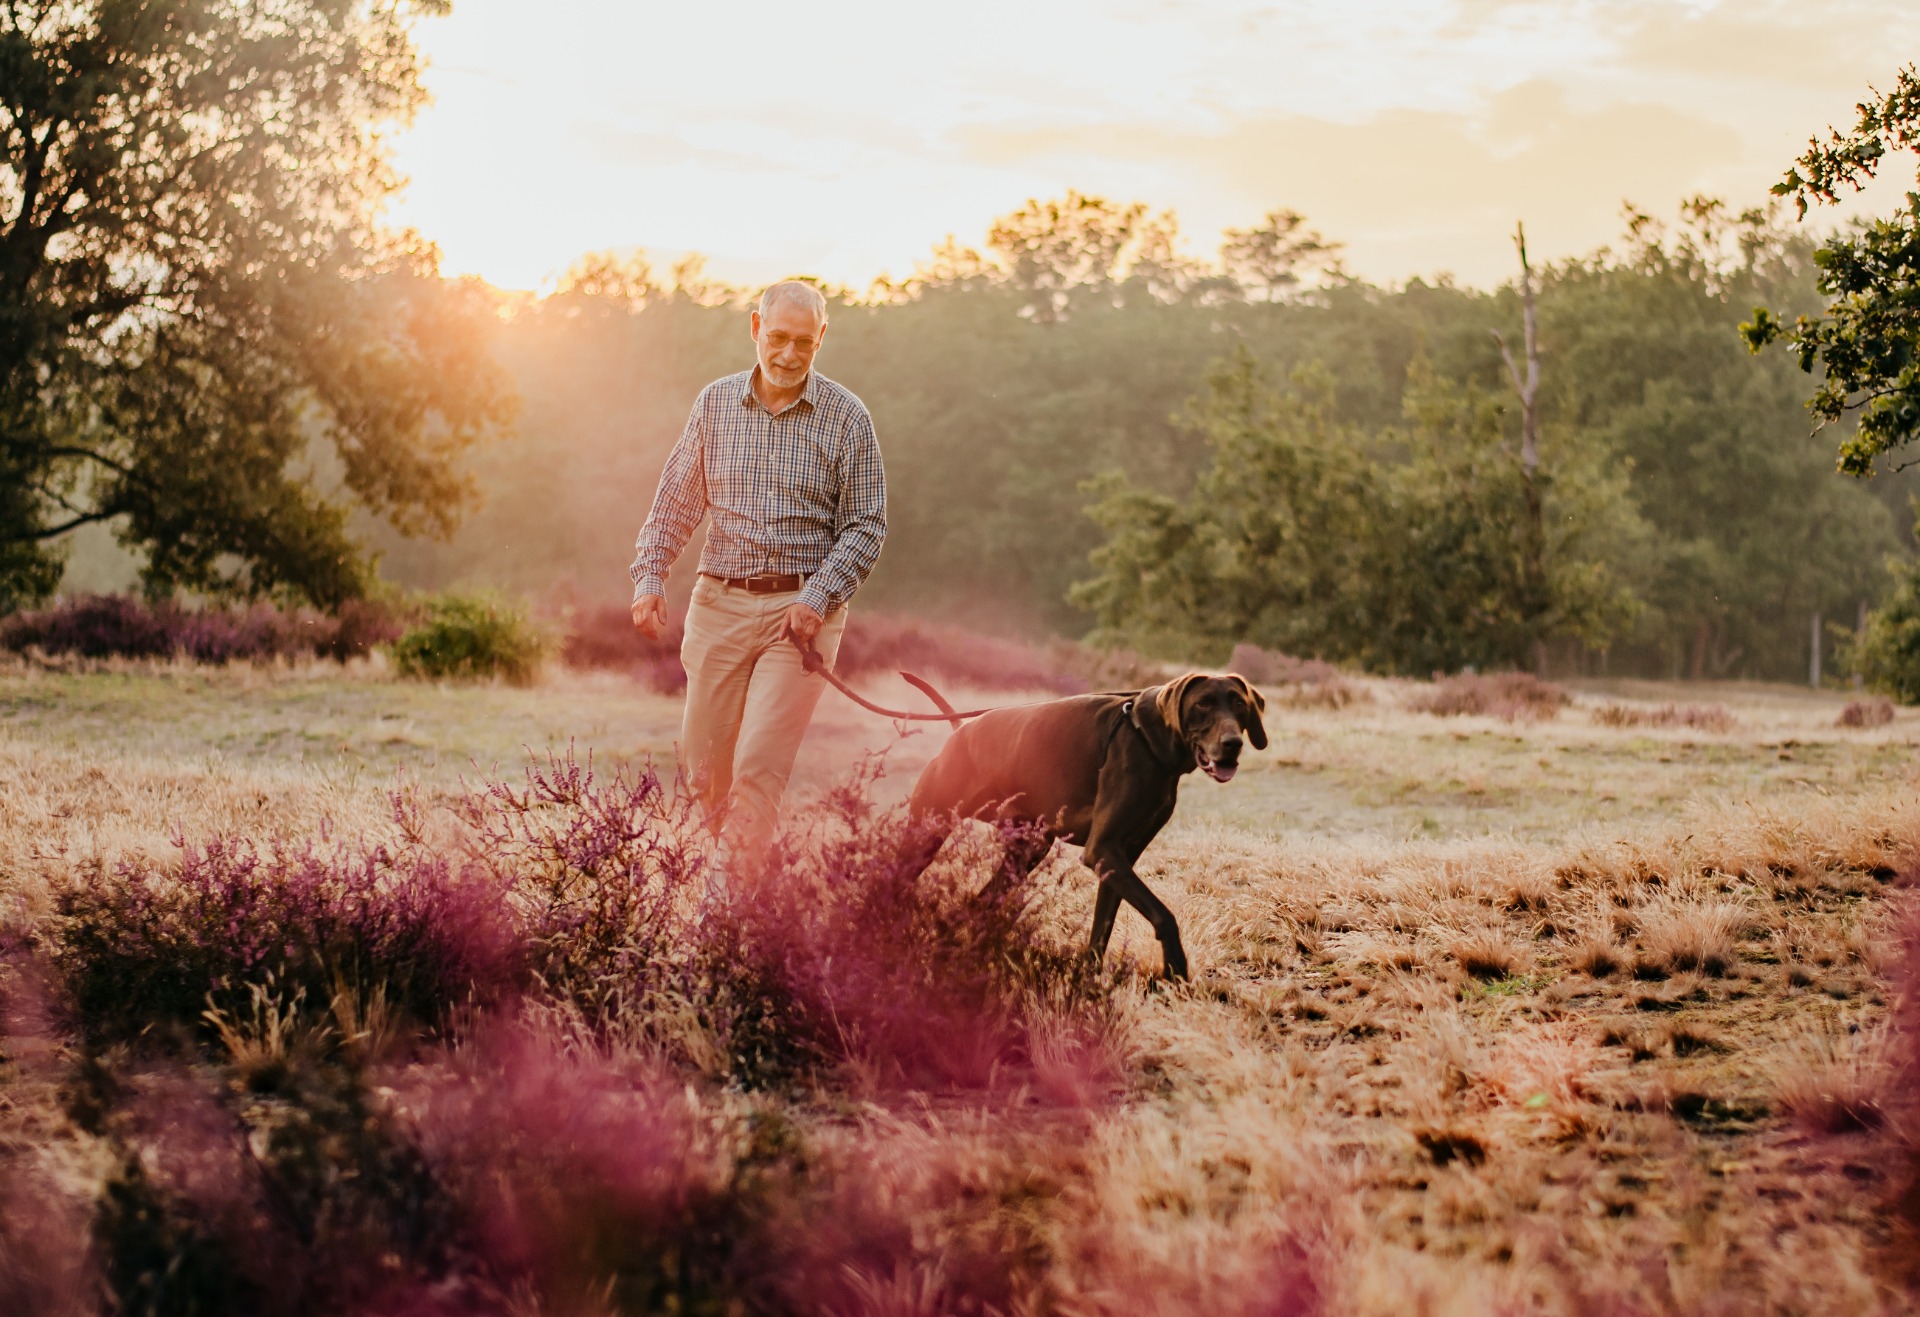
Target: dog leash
(811,660)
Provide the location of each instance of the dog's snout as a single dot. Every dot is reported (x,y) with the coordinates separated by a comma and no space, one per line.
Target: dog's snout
(1230,747)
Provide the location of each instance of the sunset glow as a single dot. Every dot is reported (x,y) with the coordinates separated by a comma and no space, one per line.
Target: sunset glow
(846,139)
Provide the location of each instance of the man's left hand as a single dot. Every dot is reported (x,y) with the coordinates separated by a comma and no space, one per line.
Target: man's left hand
(804,623)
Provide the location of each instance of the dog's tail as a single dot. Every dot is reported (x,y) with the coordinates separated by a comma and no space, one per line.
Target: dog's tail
(939,701)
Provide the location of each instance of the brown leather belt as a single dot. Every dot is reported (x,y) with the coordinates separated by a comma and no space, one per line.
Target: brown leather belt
(760,584)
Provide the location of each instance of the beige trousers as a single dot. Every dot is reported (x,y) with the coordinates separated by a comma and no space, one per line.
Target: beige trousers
(749,701)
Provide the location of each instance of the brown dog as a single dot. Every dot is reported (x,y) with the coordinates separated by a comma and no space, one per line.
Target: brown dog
(1098,771)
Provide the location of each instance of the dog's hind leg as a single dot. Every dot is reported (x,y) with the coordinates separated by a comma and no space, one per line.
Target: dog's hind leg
(1024,853)
(927,834)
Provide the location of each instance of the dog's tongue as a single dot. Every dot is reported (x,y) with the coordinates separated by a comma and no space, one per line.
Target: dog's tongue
(1218,772)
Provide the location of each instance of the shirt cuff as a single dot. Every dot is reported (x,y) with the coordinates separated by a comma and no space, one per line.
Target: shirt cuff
(814,595)
(649,584)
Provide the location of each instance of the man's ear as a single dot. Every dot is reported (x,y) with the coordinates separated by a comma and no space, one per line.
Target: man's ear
(1257,703)
(1170,699)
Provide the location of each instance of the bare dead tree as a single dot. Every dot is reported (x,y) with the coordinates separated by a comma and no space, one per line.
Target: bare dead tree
(1527,387)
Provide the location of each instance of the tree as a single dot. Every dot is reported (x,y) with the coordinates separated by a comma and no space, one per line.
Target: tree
(1888,652)
(1747,534)
(1054,249)
(992,423)
(205,337)
(622,280)
(1275,256)
(1533,538)
(1867,341)
(1400,551)
(1270,546)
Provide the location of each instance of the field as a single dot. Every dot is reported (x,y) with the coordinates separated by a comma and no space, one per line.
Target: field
(1566,1016)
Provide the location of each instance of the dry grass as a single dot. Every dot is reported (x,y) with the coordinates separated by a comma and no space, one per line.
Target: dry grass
(1698,717)
(1532,1058)
(1840,1077)
(1684,932)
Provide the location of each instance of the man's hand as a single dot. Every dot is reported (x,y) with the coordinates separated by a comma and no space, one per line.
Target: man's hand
(650,615)
(804,623)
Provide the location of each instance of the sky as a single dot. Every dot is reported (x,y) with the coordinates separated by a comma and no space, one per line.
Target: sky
(846,138)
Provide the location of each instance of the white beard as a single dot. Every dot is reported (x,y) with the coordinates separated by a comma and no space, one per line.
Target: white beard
(783,379)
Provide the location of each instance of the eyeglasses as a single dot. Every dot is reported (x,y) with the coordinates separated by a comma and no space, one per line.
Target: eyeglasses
(776,340)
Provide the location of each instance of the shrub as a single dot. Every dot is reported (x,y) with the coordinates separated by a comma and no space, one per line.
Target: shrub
(471,637)
(1699,717)
(95,626)
(1270,667)
(357,628)
(1513,696)
(926,984)
(596,1190)
(550,1152)
(583,1186)
(1887,654)
(1336,694)
(120,626)
(603,638)
(596,894)
(144,945)
(878,643)
(1104,668)
(1866,713)
(838,954)
(1300,683)
(306,1200)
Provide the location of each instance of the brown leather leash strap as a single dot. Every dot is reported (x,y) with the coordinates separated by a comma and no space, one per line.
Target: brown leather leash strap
(810,660)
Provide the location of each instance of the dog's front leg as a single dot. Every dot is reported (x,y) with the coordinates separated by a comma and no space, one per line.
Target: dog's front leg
(1118,883)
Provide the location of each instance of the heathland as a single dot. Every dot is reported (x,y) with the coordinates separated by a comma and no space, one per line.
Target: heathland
(1584,1011)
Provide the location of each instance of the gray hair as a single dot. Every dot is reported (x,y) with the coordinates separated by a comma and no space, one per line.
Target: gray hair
(797,292)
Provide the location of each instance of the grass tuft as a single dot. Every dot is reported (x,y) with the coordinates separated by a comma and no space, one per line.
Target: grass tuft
(1696,717)
(1839,1078)
(1680,935)
(1487,954)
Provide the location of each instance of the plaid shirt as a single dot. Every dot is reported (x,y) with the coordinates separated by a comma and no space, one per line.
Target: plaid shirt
(802,492)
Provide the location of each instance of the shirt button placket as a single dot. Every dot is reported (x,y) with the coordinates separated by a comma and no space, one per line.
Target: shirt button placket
(768,491)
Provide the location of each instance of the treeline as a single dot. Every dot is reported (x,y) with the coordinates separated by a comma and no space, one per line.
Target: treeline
(215,353)
(1014,387)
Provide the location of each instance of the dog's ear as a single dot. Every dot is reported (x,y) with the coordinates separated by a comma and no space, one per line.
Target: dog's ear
(1168,703)
(1257,703)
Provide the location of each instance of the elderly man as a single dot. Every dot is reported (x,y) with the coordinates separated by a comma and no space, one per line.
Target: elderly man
(787,464)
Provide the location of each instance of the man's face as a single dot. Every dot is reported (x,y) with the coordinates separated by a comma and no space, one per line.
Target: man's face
(786,339)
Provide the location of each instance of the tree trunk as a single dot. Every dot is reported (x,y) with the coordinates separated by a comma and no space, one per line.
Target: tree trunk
(1536,603)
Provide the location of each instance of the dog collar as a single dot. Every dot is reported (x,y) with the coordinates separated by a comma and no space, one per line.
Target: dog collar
(1131,713)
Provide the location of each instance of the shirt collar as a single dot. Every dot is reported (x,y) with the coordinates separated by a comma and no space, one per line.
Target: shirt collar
(810,394)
